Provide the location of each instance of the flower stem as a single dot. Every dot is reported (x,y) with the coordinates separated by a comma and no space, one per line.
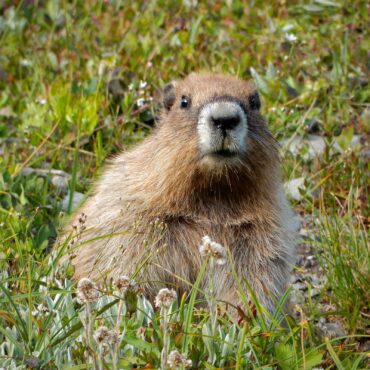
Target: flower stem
(164,354)
(116,346)
(212,305)
(89,323)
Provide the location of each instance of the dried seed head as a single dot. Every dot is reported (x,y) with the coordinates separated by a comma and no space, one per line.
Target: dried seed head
(213,249)
(103,335)
(82,218)
(114,337)
(176,359)
(32,362)
(165,297)
(87,291)
(123,283)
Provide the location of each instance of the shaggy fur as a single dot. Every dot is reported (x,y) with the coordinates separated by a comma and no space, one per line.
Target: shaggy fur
(158,200)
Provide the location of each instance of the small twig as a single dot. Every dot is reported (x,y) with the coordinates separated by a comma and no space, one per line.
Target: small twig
(46,138)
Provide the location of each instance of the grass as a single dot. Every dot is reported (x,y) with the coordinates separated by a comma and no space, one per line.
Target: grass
(76,85)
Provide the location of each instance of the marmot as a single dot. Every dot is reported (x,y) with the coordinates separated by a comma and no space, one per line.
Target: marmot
(210,167)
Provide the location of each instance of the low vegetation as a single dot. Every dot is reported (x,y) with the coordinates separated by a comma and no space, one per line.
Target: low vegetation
(79,81)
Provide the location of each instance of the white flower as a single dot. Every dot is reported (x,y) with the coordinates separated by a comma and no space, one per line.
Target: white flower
(103,335)
(176,359)
(291,37)
(114,337)
(165,297)
(41,101)
(287,27)
(41,308)
(140,102)
(25,63)
(87,291)
(101,68)
(142,84)
(123,283)
(213,249)
(190,3)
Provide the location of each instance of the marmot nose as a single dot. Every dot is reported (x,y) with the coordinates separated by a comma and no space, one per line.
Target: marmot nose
(227,122)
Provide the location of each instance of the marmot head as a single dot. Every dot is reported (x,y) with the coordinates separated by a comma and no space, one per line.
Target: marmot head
(220,111)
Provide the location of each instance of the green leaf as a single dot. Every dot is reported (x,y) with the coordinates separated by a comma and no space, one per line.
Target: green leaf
(9,335)
(285,355)
(194,30)
(141,344)
(22,197)
(345,138)
(260,82)
(311,359)
(77,367)
(53,60)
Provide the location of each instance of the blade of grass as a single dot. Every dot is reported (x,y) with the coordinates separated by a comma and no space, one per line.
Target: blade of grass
(21,325)
(190,308)
(240,348)
(333,355)
(73,181)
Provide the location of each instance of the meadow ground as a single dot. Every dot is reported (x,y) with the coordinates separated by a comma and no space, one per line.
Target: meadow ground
(78,82)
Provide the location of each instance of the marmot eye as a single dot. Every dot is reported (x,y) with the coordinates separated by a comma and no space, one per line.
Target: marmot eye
(184,102)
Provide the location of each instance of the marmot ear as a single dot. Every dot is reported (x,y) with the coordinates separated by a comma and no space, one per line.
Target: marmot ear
(254,101)
(169,95)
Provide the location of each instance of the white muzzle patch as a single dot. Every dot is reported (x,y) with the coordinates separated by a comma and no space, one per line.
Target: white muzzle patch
(222,128)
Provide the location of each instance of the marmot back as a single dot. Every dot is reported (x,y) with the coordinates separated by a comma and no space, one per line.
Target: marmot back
(210,167)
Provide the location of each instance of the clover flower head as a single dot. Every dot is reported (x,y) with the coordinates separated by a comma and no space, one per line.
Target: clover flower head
(165,297)
(176,359)
(124,283)
(103,336)
(213,249)
(87,291)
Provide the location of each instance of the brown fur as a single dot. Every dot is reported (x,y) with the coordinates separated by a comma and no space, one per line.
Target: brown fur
(163,180)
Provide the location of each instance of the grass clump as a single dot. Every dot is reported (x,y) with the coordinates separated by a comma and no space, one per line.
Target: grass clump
(78,82)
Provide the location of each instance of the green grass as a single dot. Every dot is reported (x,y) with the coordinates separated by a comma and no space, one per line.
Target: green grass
(71,74)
